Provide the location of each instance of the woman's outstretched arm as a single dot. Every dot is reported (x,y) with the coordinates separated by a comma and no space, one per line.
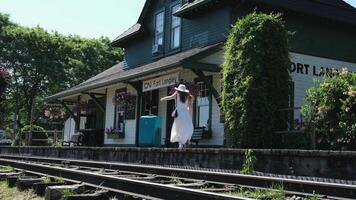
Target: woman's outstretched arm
(173,96)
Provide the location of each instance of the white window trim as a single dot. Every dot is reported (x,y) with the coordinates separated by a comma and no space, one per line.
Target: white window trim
(156,34)
(179,26)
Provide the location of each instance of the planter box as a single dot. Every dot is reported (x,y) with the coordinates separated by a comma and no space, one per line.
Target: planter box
(116,136)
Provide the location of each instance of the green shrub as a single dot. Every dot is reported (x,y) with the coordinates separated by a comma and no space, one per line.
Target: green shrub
(38,133)
(256,81)
(331,109)
(9,134)
(249,162)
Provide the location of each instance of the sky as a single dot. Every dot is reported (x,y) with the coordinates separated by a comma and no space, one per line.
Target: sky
(87,18)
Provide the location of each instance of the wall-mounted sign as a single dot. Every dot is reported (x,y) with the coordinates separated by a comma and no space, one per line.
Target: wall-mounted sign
(160,82)
(305,69)
(317,66)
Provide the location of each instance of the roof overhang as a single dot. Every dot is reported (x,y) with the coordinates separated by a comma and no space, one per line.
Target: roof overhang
(124,75)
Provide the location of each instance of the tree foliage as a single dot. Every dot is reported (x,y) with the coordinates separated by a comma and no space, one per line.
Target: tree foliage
(331,108)
(4,81)
(42,63)
(255,80)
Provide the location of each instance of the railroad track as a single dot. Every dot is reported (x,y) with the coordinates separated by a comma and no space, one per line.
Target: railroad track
(155,182)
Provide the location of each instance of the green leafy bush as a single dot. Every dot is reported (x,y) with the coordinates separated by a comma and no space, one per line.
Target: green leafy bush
(249,162)
(331,109)
(38,133)
(256,81)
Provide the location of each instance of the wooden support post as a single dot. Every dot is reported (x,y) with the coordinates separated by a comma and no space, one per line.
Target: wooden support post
(71,113)
(67,109)
(96,101)
(208,83)
(138,88)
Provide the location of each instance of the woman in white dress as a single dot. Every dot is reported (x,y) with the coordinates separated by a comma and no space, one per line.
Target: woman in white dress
(182,129)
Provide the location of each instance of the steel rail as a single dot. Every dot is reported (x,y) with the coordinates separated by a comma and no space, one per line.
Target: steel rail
(160,191)
(71,181)
(333,190)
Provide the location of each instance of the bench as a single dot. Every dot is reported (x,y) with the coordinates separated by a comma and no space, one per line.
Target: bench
(76,140)
(197,135)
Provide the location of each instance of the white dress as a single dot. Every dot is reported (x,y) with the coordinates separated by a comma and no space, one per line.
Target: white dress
(182,129)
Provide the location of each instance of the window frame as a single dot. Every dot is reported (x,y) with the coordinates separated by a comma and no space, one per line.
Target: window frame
(155,38)
(116,111)
(210,97)
(171,30)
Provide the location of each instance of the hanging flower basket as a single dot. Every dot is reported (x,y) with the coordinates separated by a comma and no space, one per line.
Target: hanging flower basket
(124,98)
(54,112)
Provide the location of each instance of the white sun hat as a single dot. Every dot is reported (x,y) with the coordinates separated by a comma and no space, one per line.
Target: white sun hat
(181,88)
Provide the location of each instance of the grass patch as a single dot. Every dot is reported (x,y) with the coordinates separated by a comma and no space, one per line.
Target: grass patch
(276,192)
(314,197)
(7,193)
(68,192)
(56,165)
(177,181)
(7,168)
(59,180)
(46,180)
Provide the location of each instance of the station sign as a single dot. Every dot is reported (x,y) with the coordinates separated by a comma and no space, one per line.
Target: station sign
(160,82)
(316,66)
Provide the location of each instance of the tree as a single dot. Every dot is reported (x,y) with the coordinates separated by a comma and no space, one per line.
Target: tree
(4,81)
(43,63)
(331,108)
(255,80)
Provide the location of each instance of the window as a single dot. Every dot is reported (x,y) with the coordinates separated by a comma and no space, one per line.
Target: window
(159,27)
(119,118)
(175,28)
(125,108)
(202,107)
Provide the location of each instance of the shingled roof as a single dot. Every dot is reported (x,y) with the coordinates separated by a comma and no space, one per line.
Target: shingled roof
(118,74)
(132,31)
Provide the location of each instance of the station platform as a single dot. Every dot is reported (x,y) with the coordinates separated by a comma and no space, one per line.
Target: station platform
(328,164)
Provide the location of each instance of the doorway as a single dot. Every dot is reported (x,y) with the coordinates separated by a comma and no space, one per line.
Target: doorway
(150,101)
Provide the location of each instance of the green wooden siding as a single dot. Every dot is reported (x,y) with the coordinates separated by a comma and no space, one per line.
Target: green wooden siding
(312,35)
(215,24)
